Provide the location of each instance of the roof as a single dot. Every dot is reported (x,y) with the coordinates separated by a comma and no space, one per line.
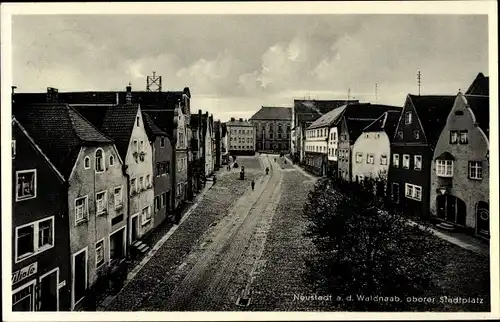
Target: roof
(432,111)
(387,122)
(92,113)
(152,129)
(118,124)
(367,110)
(328,118)
(164,119)
(273,113)
(195,121)
(355,127)
(480,105)
(480,86)
(311,110)
(60,131)
(445,156)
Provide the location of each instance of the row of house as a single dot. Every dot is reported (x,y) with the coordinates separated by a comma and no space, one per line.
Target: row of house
(433,152)
(93,174)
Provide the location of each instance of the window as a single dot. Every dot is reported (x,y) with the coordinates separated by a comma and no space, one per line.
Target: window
(101,202)
(34,238)
(146,215)
(464,137)
(359,157)
(370,158)
(444,168)
(162,142)
(408,118)
(26,184)
(417,162)
(453,137)
(395,160)
(118,197)
(148,183)
(23,298)
(99,253)
(137,121)
(157,203)
(475,170)
(111,160)
(459,112)
(413,192)
(400,135)
(416,134)
(81,209)
(141,146)
(383,159)
(141,183)
(406,161)
(86,163)
(99,160)
(163,199)
(367,135)
(132,186)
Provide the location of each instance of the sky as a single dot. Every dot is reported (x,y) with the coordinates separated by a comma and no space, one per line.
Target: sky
(234,64)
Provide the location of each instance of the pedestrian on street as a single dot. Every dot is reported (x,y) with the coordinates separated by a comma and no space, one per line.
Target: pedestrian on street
(253,185)
(267,171)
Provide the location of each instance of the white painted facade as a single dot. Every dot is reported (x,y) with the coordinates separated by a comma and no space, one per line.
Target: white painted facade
(333,144)
(371,155)
(317,140)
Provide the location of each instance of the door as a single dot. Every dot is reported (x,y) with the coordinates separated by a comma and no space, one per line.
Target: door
(395,192)
(135,228)
(451,208)
(48,292)
(441,206)
(79,276)
(483,219)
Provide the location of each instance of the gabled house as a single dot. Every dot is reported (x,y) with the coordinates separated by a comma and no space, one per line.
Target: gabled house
(218,147)
(162,181)
(94,194)
(415,137)
(197,151)
(459,172)
(372,149)
(40,229)
(321,143)
(207,144)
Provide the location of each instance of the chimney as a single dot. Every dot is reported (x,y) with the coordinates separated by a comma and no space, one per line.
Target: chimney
(232,119)
(241,120)
(52,95)
(128,95)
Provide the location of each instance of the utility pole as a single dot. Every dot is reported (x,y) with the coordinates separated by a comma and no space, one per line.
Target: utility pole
(419,81)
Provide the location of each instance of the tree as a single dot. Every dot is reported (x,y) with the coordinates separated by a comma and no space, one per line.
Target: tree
(364,250)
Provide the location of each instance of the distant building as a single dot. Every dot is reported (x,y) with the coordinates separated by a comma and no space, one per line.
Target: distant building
(372,150)
(459,189)
(273,129)
(304,113)
(218,144)
(224,144)
(197,149)
(40,229)
(241,137)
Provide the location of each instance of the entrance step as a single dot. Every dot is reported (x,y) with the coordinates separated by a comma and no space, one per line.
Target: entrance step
(446,226)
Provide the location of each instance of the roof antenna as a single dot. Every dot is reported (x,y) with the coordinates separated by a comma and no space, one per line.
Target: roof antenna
(419,81)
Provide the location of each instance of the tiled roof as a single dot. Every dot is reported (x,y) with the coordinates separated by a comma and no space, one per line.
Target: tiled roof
(164,119)
(355,127)
(118,124)
(328,118)
(432,112)
(480,86)
(94,114)
(273,113)
(311,110)
(367,110)
(386,122)
(152,129)
(480,105)
(60,131)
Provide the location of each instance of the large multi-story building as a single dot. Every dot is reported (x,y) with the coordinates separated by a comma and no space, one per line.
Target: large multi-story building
(272,129)
(240,137)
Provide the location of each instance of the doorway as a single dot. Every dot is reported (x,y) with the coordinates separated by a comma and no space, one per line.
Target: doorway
(23,298)
(134,227)
(49,297)
(451,209)
(79,276)
(483,219)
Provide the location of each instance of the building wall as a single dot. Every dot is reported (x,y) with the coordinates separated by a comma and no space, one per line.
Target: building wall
(317,140)
(345,153)
(162,182)
(333,144)
(208,152)
(181,169)
(471,191)
(268,136)
(137,169)
(96,227)
(50,201)
(241,137)
(376,143)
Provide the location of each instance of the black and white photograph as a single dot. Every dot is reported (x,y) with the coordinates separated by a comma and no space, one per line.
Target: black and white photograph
(294,158)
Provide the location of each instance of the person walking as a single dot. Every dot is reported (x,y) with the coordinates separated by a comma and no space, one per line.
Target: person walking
(267,171)
(253,185)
